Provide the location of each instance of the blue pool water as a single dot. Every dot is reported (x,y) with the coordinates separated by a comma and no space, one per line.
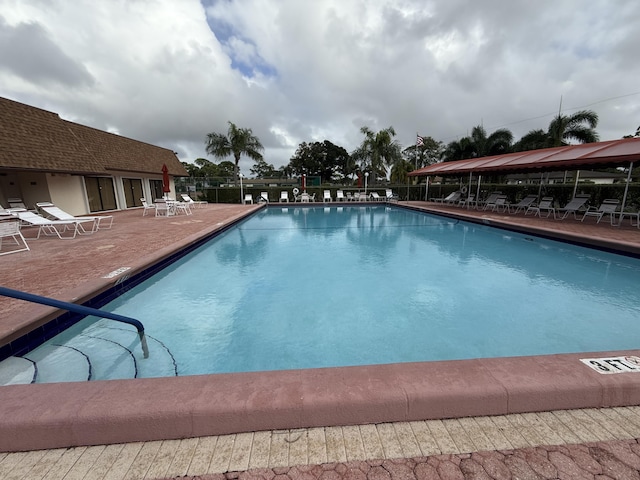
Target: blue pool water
(322,287)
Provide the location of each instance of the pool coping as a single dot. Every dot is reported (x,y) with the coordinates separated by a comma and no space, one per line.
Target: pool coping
(43,416)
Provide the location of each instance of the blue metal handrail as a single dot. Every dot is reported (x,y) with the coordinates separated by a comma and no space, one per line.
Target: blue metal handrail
(81,309)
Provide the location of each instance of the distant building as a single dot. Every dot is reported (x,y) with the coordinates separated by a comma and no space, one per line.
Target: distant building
(79,168)
(590,176)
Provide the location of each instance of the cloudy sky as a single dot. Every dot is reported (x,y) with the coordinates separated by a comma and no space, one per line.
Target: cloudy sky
(170,71)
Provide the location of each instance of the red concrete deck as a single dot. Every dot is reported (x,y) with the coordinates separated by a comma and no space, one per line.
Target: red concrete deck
(58,415)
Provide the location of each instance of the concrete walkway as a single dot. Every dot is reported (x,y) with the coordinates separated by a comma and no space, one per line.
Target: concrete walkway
(569,444)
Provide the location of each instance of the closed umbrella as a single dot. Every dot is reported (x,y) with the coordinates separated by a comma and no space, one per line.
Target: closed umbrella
(165,180)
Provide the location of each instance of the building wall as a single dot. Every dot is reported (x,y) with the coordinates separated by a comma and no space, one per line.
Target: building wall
(68,193)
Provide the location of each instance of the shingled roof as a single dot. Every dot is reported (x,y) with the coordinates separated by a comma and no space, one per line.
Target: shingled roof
(35,139)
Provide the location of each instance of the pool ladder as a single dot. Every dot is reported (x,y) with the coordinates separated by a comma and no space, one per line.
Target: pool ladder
(81,309)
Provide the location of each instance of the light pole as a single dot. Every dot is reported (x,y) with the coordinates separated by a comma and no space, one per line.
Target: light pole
(241,192)
(366,175)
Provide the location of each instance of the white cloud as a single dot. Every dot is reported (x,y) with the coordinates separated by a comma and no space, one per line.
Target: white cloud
(302,70)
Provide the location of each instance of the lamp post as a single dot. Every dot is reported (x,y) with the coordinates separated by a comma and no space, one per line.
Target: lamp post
(366,175)
(241,192)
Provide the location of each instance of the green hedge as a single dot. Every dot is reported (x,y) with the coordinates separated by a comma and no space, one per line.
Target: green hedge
(562,193)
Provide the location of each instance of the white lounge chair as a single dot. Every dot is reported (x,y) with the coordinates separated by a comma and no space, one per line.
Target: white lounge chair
(326,196)
(453,197)
(16,203)
(523,204)
(500,202)
(99,221)
(489,200)
(10,228)
(575,206)
(264,197)
(391,197)
(248,199)
(193,203)
(608,207)
(375,196)
(340,196)
(52,227)
(284,196)
(545,205)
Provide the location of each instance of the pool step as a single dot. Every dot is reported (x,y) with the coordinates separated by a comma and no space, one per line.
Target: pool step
(98,352)
(17,370)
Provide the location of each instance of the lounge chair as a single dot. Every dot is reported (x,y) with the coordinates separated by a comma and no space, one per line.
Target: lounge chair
(489,200)
(99,221)
(545,205)
(51,227)
(498,202)
(326,196)
(284,196)
(574,206)
(608,207)
(391,197)
(264,197)
(375,196)
(10,228)
(340,196)
(247,199)
(467,201)
(523,204)
(453,197)
(193,203)
(16,203)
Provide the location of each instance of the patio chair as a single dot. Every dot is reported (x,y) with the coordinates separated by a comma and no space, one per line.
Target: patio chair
(284,196)
(163,208)
(391,197)
(57,213)
(147,206)
(326,196)
(545,205)
(489,200)
(248,199)
(497,203)
(340,196)
(451,198)
(10,228)
(176,207)
(264,197)
(574,206)
(193,203)
(16,203)
(375,196)
(523,204)
(51,227)
(467,201)
(608,207)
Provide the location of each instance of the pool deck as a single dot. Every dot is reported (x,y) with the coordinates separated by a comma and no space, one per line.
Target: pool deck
(442,404)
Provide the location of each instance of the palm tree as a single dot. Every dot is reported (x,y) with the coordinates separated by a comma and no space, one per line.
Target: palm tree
(579,127)
(377,151)
(238,141)
(564,128)
(479,144)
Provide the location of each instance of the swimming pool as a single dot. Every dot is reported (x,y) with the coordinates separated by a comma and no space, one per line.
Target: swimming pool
(290,286)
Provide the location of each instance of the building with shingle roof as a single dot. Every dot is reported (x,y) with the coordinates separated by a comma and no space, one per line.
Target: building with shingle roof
(81,169)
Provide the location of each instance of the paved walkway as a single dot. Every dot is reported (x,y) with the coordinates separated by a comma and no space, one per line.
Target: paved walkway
(577,444)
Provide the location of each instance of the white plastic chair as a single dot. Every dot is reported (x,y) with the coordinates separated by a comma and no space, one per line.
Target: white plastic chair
(248,199)
(326,196)
(58,214)
(284,196)
(11,229)
(147,206)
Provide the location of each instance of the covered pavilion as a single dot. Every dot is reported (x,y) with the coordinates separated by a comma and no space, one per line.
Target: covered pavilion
(612,153)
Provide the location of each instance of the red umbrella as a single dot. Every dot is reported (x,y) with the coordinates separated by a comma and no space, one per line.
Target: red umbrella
(165,179)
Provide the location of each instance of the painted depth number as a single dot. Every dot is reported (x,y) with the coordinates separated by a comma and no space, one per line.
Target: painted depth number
(613,364)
